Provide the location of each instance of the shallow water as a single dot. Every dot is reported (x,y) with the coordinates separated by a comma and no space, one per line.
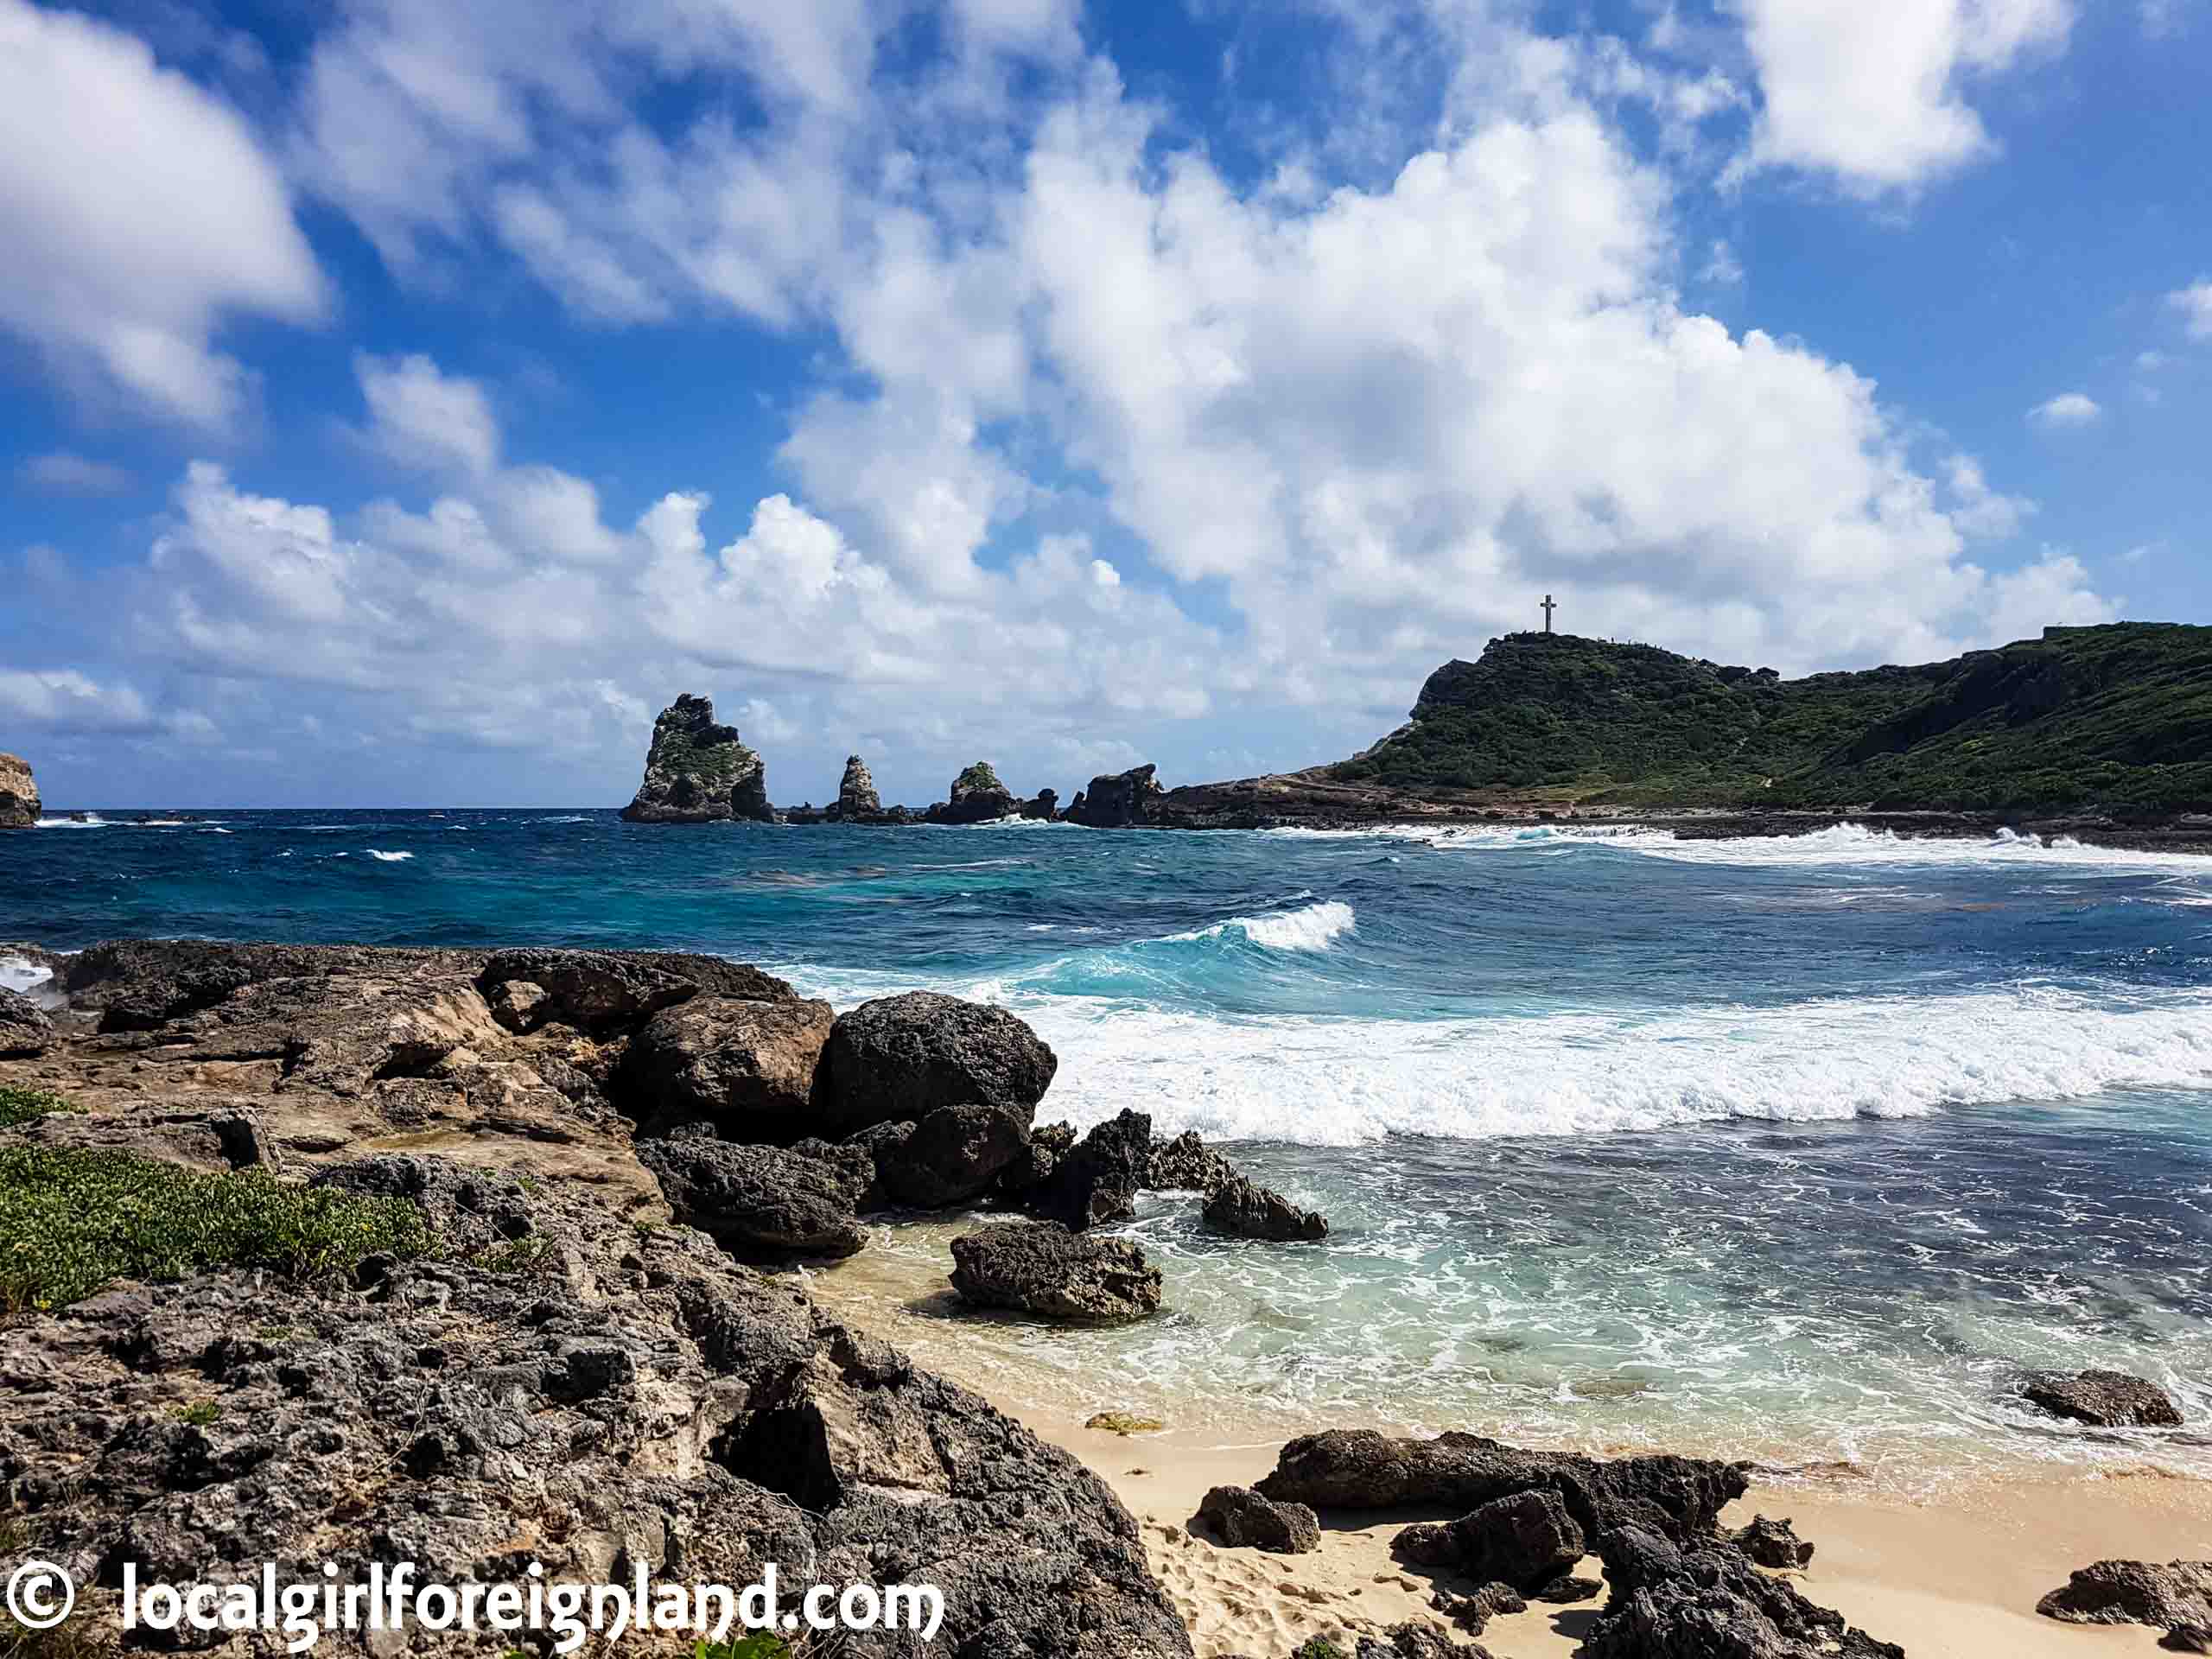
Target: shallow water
(1795,1149)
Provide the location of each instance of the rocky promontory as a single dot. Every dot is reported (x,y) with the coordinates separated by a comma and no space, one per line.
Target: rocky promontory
(1117,800)
(698,771)
(19,803)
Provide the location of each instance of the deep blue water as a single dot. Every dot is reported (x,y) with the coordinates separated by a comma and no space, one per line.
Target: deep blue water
(1801,1146)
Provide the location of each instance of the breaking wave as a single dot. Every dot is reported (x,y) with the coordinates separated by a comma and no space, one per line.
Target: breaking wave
(1316,927)
(388,858)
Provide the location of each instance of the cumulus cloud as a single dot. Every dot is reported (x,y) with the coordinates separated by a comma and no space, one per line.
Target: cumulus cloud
(67,700)
(2069,411)
(65,472)
(141,214)
(2195,304)
(424,419)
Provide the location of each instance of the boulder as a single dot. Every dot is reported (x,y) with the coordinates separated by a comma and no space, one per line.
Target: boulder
(1099,1180)
(856,796)
(2190,1637)
(1527,1540)
(1042,1268)
(19,803)
(1708,1601)
(1253,1212)
(746,1066)
(697,772)
(2104,1399)
(977,796)
(1242,1519)
(1117,800)
(953,1155)
(25,1030)
(1473,1613)
(1772,1543)
(1415,1641)
(756,1200)
(1044,808)
(1187,1164)
(521,1005)
(1360,1469)
(898,1058)
(2134,1593)
(606,992)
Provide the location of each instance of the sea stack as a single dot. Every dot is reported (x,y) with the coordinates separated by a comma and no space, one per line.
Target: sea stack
(978,797)
(19,805)
(697,772)
(1115,800)
(856,796)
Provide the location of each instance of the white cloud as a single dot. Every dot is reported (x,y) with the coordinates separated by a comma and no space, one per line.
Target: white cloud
(424,419)
(2195,304)
(66,700)
(63,473)
(140,214)
(2069,411)
(1977,509)
(1883,104)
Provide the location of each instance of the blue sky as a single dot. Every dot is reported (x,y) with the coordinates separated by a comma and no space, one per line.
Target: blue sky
(403,402)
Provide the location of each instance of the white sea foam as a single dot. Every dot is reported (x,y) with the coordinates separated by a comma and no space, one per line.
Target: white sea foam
(90,822)
(1315,927)
(20,973)
(388,858)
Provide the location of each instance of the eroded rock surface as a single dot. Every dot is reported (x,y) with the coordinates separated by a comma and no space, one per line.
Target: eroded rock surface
(756,1200)
(19,802)
(1245,1208)
(698,771)
(1041,1268)
(26,1029)
(1097,1180)
(1242,1519)
(898,1058)
(2103,1398)
(2134,1593)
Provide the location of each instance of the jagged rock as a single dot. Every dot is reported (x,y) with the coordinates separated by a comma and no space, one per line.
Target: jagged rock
(603,992)
(2104,1399)
(1041,1267)
(2191,1637)
(856,796)
(1048,1144)
(1771,1544)
(856,1160)
(25,1029)
(952,1155)
(2133,1592)
(1097,1182)
(1418,1641)
(977,796)
(1044,808)
(1360,1469)
(898,1058)
(1116,800)
(1708,1601)
(521,1005)
(624,1403)
(1473,1613)
(1187,1164)
(1526,1540)
(1569,1588)
(697,772)
(1242,1519)
(747,1067)
(19,803)
(137,984)
(1239,1206)
(756,1200)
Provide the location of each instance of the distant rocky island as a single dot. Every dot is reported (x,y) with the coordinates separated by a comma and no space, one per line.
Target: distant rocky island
(2105,730)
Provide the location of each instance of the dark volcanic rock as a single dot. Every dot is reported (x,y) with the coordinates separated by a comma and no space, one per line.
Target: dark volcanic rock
(1360,1469)
(954,1154)
(756,1200)
(1098,1181)
(2134,1593)
(1418,1641)
(606,991)
(19,803)
(1708,1601)
(898,1058)
(1116,800)
(1567,1589)
(1253,1212)
(1473,1613)
(977,796)
(25,1030)
(1187,1164)
(1044,808)
(1526,1540)
(2106,1399)
(746,1066)
(1041,1267)
(1772,1543)
(2188,1638)
(697,772)
(1242,1519)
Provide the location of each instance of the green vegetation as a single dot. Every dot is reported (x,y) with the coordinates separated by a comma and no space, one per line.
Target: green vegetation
(760,1644)
(2118,717)
(1125,1423)
(1318,1647)
(201,1414)
(979,776)
(534,1254)
(19,1105)
(70,1222)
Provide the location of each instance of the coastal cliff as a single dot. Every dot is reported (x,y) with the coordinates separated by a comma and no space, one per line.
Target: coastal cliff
(698,771)
(19,803)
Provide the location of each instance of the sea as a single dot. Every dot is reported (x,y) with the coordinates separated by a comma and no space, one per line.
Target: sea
(1799,1149)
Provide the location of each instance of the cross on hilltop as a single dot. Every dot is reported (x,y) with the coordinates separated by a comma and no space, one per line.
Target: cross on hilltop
(1548,608)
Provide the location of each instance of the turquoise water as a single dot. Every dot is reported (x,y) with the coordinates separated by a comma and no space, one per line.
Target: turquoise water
(1781,1147)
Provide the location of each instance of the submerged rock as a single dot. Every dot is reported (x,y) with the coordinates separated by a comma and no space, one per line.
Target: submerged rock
(898,1058)
(1097,1181)
(2103,1398)
(25,1028)
(698,771)
(1117,800)
(19,802)
(1041,1267)
(1253,1212)
(1242,1519)
(756,1200)
(2134,1593)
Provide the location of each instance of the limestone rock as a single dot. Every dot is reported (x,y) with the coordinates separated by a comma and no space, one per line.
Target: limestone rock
(1042,1268)
(756,1200)
(19,803)
(856,795)
(1117,800)
(1242,1519)
(2134,1593)
(1240,1206)
(697,772)
(1099,1180)
(746,1066)
(25,1029)
(2103,1398)
(898,1058)
(977,796)
(603,992)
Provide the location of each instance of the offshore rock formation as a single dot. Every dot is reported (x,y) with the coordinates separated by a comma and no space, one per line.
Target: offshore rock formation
(1116,800)
(1044,808)
(977,796)
(856,796)
(697,772)
(19,804)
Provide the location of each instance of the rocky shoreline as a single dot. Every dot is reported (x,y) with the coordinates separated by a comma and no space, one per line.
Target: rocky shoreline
(578,1360)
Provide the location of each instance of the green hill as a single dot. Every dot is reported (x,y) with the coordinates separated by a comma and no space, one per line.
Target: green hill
(2117,716)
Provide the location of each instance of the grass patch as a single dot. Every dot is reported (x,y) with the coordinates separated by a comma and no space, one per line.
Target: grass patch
(760,1644)
(1319,1647)
(201,1414)
(521,1255)
(19,1106)
(72,1222)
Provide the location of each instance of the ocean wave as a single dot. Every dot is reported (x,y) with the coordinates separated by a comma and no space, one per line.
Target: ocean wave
(1315,927)
(387,858)
(21,973)
(92,821)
